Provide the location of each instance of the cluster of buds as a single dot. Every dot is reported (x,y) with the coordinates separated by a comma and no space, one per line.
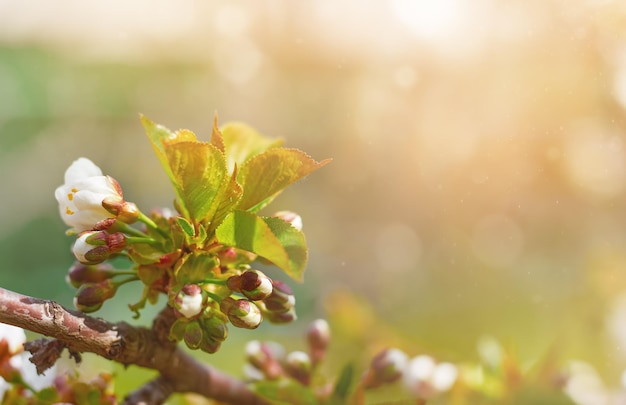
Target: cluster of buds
(208,284)
(243,299)
(270,361)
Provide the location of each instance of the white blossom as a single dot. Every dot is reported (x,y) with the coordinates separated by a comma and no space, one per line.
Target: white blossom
(80,198)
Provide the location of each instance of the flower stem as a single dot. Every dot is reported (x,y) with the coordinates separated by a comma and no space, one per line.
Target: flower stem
(127,280)
(129,230)
(213,281)
(142,239)
(151,224)
(214,297)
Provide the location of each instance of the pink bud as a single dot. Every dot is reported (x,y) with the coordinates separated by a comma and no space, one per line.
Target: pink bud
(90,297)
(318,337)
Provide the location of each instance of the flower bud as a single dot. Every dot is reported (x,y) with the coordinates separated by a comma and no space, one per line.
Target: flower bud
(80,273)
(281,299)
(189,302)
(318,338)
(265,358)
(215,329)
(281,317)
(386,367)
(291,217)
(252,283)
(93,247)
(193,335)
(298,365)
(241,313)
(90,297)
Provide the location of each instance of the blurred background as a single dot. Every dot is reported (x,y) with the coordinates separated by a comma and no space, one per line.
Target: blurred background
(477,187)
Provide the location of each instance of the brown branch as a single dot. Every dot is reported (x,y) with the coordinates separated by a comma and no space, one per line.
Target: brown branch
(125,344)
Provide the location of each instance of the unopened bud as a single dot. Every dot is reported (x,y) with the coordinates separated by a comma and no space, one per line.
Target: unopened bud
(193,335)
(215,328)
(252,283)
(298,365)
(241,313)
(281,299)
(386,367)
(281,317)
(90,297)
(291,217)
(265,358)
(124,211)
(93,247)
(189,302)
(80,273)
(318,338)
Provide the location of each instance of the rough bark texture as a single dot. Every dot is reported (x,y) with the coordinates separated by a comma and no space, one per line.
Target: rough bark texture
(123,343)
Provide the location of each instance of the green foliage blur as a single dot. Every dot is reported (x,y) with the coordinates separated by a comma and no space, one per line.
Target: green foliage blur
(478,183)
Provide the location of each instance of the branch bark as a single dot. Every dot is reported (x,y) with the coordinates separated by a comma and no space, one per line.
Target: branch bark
(123,343)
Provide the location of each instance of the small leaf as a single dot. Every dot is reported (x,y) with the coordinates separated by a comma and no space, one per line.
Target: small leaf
(267,174)
(285,392)
(186,226)
(270,238)
(241,142)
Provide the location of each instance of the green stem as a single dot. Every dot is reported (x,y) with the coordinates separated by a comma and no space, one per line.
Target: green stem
(127,280)
(214,297)
(129,230)
(142,239)
(151,224)
(213,281)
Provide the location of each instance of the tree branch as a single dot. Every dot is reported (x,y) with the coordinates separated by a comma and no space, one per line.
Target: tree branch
(125,344)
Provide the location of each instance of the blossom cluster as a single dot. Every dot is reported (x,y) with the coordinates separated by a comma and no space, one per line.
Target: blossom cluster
(206,287)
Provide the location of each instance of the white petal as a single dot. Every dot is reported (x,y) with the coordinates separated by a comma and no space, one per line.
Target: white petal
(191,305)
(14,336)
(81,247)
(80,169)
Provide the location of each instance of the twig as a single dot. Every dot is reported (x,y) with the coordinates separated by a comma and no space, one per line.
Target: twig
(125,344)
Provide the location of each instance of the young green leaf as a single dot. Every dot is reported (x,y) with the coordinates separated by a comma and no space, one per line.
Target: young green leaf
(267,174)
(199,173)
(241,142)
(270,238)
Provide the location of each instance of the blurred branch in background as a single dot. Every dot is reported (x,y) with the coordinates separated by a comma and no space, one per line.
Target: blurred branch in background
(479,149)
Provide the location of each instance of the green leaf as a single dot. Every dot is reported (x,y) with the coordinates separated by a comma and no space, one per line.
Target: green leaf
(229,199)
(186,226)
(270,238)
(285,392)
(267,174)
(241,142)
(160,136)
(342,386)
(200,176)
